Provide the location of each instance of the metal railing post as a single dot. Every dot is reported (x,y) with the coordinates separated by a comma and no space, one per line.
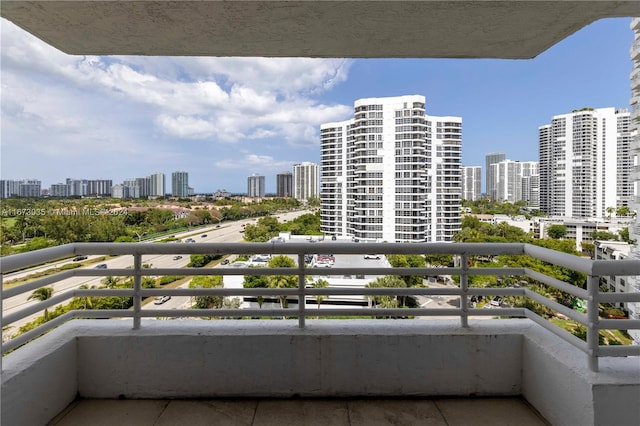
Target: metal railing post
(137,286)
(593,329)
(464,286)
(302,300)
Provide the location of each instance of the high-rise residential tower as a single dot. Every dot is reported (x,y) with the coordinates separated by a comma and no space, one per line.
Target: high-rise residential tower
(99,187)
(255,186)
(391,173)
(490,181)
(284,184)
(157,185)
(305,180)
(581,174)
(180,184)
(471,182)
(516,181)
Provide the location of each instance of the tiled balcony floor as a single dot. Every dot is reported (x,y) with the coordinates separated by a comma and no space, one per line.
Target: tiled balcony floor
(309,412)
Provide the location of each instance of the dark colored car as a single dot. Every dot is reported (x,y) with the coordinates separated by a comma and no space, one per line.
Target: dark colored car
(100,266)
(79,258)
(203,235)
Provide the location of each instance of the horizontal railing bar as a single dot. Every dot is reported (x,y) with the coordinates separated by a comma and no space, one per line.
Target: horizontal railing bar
(38,283)
(25,260)
(576,316)
(619,350)
(299,247)
(33,308)
(618,324)
(563,334)
(559,258)
(38,331)
(620,267)
(618,297)
(560,285)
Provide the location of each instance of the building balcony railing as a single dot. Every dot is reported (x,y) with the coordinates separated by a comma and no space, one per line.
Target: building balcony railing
(593,269)
(72,355)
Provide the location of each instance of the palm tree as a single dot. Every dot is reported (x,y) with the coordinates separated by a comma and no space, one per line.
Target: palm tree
(320,284)
(610,211)
(282,281)
(41,294)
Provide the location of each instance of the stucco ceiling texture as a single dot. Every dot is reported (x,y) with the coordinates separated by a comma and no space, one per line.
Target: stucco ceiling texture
(354,29)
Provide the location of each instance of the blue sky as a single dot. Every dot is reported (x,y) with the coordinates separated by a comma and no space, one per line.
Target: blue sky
(223,119)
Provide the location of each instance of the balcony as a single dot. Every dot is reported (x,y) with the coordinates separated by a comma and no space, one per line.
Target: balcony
(452,350)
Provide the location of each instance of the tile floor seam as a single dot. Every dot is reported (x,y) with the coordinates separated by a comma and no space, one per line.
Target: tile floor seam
(435,401)
(348,412)
(167,402)
(255,412)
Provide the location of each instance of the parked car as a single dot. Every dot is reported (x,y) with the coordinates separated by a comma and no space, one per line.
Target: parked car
(372,256)
(100,266)
(496,301)
(79,258)
(161,299)
(177,257)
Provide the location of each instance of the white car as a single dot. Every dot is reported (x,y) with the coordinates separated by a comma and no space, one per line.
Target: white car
(372,256)
(161,299)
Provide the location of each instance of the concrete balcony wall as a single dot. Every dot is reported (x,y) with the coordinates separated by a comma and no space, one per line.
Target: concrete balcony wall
(331,358)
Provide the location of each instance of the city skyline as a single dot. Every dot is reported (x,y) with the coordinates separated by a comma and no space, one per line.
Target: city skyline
(222,119)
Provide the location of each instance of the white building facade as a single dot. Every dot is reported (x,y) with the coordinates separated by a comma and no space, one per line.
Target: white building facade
(391,173)
(581,174)
(305,180)
(471,182)
(516,181)
(255,186)
(157,185)
(180,184)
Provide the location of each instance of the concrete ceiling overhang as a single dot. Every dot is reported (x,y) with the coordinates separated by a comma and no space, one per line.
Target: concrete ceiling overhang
(354,29)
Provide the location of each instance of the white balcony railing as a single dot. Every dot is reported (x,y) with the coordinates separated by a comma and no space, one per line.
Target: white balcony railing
(594,269)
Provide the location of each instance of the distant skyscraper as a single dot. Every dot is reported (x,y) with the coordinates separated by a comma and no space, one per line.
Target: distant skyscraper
(509,177)
(255,186)
(581,174)
(305,181)
(60,190)
(391,173)
(180,184)
(157,185)
(490,182)
(284,184)
(471,182)
(77,187)
(9,188)
(99,187)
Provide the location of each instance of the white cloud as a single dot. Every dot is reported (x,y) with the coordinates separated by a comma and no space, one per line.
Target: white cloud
(110,108)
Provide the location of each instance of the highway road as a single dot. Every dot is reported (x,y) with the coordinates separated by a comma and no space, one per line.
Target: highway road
(227,232)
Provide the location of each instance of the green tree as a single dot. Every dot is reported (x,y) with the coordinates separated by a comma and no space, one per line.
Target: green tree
(603,236)
(321,283)
(610,210)
(624,235)
(256,281)
(41,294)
(557,232)
(207,302)
(389,281)
(282,281)
(623,211)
